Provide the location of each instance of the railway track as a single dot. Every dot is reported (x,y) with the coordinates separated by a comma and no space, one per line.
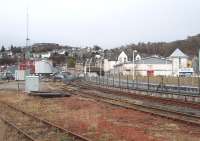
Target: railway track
(129,94)
(34,128)
(111,99)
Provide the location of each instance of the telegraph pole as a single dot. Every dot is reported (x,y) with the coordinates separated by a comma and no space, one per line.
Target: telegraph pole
(134,51)
(27,35)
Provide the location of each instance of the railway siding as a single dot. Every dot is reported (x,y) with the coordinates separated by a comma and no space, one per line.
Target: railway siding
(35,128)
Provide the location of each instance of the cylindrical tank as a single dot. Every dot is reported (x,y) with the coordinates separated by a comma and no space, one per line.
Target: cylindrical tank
(43,67)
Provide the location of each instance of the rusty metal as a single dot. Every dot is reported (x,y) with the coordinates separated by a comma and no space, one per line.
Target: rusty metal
(18,129)
(131,94)
(48,123)
(173,115)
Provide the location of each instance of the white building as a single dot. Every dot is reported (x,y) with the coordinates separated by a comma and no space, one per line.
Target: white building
(179,61)
(42,55)
(122,58)
(109,64)
(176,64)
(153,66)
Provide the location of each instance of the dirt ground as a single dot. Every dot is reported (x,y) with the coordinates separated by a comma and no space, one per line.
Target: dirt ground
(102,122)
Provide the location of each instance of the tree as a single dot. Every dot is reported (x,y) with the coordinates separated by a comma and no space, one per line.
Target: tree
(2,49)
(71,62)
(96,47)
(11,47)
(58,59)
(66,53)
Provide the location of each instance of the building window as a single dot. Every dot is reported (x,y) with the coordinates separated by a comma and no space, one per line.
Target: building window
(124,59)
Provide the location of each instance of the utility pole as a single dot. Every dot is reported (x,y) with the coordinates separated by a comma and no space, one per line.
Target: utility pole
(90,67)
(27,55)
(199,63)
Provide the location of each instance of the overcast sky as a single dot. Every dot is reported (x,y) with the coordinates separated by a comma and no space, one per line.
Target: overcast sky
(108,23)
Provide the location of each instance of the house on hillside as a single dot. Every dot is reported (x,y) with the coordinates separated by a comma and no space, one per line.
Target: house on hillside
(152,66)
(6,53)
(176,64)
(43,55)
(123,58)
(180,63)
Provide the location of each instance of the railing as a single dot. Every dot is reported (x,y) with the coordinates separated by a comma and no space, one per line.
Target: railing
(124,82)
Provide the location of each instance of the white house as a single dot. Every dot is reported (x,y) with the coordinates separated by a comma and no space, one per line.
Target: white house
(122,58)
(42,55)
(109,64)
(179,61)
(138,57)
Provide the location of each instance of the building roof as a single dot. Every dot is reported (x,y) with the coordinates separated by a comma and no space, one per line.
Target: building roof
(122,54)
(153,60)
(149,60)
(178,53)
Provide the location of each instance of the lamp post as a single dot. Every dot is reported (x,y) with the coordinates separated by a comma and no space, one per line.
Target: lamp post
(99,57)
(85,68)
(134,51)
(89,66)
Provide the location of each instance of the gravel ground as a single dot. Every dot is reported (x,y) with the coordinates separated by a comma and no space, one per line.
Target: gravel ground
(99,121)
(103,122)
(2,130)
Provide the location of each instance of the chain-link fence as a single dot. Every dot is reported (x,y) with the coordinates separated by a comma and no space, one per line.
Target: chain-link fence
(180,85)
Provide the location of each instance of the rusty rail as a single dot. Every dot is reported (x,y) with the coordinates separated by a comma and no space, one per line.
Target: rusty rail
(173,115)
(48,123)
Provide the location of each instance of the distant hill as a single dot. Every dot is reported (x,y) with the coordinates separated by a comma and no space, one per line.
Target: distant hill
(189,46)
(44,47)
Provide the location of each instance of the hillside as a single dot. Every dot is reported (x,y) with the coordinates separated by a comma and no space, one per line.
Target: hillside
(190,46)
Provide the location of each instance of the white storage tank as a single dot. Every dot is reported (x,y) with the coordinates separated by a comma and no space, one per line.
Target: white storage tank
(32,83)
(43,67)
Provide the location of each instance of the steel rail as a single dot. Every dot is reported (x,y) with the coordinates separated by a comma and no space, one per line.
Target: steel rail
(72,134)
(144,96)
(18,129)
(143,108)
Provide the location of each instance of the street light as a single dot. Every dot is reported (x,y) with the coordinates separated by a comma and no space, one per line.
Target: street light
(134,51)
(99,57)
(85,68)
(89,67)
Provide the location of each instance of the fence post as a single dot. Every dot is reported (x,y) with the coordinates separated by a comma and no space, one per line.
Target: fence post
(119,82)
(18,86)
(127,83)
(136,82)
(178,84)
(103,80)
(113,81)
(162,83)
(199,84)
(148,81)
(107,81)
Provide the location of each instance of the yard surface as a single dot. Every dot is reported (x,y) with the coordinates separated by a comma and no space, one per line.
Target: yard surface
(100,121)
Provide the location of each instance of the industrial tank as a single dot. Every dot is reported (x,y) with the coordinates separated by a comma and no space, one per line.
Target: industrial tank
(43,67)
